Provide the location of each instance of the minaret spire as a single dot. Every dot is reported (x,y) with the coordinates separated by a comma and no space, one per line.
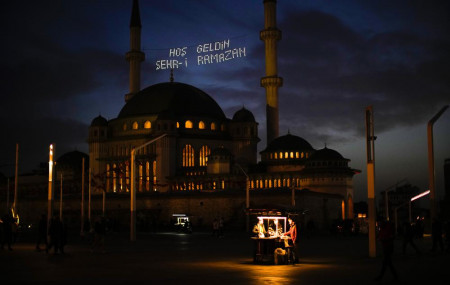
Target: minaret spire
(271,82)
(135,56)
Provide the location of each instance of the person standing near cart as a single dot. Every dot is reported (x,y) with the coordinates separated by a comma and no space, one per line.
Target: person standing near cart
(293,234)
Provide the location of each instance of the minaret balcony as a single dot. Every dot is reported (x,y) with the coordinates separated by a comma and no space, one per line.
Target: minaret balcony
(272,33)
(271,81)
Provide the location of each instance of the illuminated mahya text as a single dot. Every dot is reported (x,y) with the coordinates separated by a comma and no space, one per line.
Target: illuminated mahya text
(208,53)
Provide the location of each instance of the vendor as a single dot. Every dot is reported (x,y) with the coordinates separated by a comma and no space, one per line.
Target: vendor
(259,229)
(293,234)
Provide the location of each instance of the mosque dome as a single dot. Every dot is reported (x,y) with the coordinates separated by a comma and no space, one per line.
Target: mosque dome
(174,100)
(326,154)
(244,115)
(99,122)
(288,143)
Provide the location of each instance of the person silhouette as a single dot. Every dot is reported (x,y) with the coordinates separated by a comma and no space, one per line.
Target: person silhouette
(386,237)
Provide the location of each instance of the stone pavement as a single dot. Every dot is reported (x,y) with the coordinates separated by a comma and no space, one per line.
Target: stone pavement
(199,258)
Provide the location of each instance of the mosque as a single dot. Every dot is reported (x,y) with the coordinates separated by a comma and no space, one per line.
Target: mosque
(194,152)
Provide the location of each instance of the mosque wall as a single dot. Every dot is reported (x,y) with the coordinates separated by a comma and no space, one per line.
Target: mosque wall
(155,211)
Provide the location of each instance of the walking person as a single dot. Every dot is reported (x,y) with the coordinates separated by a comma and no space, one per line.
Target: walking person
(215,226)
(42,233)
(386,237)
(99,235)
(221,227)
(55,234)
(293,234)
(408,235)
(7,230)
(436,234)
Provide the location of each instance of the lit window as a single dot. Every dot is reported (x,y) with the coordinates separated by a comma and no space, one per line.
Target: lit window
(286,155)
(188,124)
(296,154)
(178,125)
(188,156)
(201,125)
(292,154)
(147,125)
(213,126)
(276,155)
(203,155)
(271,156)
(135,126)
(281,155)
(303,155)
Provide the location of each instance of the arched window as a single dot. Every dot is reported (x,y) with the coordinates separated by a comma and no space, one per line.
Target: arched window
(188,156)
(201,125)
(276,155)
(135,125)
(297,154)
(178,125)
(281,155)
(213,126)
(203,155)
(147,125)
(188,124)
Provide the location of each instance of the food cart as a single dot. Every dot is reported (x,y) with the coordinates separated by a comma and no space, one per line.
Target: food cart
(182,223)
(268,237)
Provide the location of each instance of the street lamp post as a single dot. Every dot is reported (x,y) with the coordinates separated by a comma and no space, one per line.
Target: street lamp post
(133,186)
(370,145)
(50,188)
(247,198)
(431,161)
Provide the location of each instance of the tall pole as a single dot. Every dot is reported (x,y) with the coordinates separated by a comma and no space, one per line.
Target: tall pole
(133,186)
(133,198)
(431,162)
(7,198)
(89,197)
(104,203)
(370,140)
(82,196)
(61,199)
(16,181)
(50,188)
(247,202)
(386,204)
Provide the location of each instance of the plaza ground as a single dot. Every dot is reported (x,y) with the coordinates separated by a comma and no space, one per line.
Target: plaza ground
(199,258)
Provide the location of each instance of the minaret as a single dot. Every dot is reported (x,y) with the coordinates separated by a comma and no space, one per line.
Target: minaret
(135,56)
(270,35)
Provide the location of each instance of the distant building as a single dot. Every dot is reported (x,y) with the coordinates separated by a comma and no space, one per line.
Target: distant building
(397,198)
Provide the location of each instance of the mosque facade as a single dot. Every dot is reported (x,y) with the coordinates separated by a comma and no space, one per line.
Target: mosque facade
(197,149)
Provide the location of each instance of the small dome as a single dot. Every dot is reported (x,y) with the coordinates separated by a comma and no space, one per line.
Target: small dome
(288,143)
(326,154)
(244,115)
(99,122)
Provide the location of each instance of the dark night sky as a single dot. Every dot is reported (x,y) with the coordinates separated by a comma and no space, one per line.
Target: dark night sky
(64,63)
